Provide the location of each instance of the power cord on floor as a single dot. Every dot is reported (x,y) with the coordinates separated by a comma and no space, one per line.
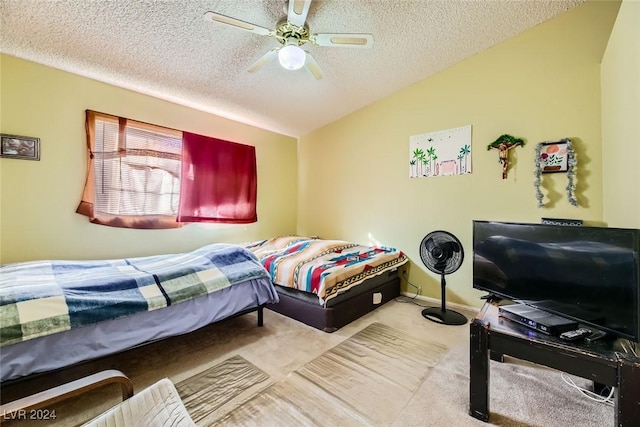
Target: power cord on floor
(405,299)
(608,400)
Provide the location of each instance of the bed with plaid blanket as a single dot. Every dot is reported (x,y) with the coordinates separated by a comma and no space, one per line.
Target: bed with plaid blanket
(45,297)
(323,267)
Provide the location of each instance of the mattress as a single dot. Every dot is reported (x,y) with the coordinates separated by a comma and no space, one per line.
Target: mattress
(67,348)
(365,287)
(325,268)
(353,304)
(43,297)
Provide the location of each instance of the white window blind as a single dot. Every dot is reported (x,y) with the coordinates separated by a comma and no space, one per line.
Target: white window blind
(136,168)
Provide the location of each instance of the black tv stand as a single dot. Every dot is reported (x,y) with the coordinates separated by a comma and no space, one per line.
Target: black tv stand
(608,363)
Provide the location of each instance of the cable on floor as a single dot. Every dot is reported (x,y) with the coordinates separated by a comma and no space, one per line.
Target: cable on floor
(405,299)
(608,400)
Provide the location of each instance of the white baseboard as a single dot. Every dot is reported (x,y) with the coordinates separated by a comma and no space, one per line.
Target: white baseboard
(436,302)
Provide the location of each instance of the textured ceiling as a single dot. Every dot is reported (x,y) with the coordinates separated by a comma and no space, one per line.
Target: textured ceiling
(166,49)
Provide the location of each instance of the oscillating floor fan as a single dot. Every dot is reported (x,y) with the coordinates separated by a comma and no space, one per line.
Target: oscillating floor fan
(442,253)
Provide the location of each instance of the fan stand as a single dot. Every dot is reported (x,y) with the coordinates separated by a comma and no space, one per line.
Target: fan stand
(442,315)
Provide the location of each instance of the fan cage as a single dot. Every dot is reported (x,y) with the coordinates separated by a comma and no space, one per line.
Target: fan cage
(432,258)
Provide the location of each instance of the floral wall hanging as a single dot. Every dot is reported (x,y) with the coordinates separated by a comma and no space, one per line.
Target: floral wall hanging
(552,157)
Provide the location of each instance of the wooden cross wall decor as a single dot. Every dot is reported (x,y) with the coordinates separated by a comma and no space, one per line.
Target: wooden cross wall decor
(504,144)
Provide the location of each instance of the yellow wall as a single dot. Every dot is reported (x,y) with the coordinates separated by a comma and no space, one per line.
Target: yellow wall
(352,176)
(621,119)
(542,85)
(39,198)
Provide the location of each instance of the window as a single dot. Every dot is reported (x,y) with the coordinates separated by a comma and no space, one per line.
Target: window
(139,175)
(134,176)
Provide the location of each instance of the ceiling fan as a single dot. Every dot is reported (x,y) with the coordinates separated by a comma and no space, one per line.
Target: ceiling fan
(293,32)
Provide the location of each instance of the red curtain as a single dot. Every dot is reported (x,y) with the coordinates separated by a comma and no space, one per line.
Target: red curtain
(218,182)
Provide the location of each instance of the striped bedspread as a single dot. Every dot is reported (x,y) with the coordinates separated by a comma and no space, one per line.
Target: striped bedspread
(44,297)
(323,267)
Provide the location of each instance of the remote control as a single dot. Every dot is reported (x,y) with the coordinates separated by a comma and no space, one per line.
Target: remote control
(575,334)
(596,335)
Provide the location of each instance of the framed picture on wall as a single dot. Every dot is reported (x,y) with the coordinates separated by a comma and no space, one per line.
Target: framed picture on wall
(19,147)
(554,157)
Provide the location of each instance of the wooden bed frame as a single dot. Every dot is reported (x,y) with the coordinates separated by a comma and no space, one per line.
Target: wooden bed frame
(352,305)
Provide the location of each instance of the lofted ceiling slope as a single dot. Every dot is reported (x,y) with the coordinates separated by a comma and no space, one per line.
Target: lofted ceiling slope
(167,50)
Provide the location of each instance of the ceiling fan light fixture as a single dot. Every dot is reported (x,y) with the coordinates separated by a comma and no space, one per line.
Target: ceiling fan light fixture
(292,32)
(291,56)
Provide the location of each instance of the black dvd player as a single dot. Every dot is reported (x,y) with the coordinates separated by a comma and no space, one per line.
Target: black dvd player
(537,319)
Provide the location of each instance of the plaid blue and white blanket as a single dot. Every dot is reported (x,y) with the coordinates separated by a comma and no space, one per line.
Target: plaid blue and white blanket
(44,297)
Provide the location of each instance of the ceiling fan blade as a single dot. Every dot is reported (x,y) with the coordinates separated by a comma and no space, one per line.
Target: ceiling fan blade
(269,56)
(227,20)
(342,40)
(297,12)
(313,67)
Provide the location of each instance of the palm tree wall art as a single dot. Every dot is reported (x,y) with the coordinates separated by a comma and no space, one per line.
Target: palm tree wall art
(440,153)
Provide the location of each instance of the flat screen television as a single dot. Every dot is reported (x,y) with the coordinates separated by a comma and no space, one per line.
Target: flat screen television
(588,274)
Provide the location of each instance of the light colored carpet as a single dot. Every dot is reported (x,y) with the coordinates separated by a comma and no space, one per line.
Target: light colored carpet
(290,353)
(365,380)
